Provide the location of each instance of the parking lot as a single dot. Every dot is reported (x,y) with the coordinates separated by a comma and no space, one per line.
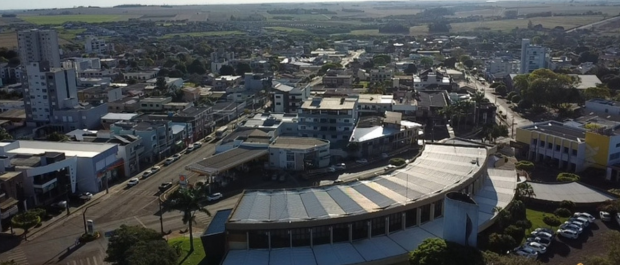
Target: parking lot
(590,243)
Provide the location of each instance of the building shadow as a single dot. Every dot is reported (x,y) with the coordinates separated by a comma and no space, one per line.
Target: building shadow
(9,241)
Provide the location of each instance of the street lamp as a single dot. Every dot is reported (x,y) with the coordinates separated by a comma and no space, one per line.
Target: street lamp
(161,217)
(84,216)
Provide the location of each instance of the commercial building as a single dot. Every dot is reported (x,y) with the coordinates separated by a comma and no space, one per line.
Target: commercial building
(111,118)
(431,79)
(381,74)
(9,195)
(53,168)
(157,137)
(287,99)
(100,94)
(336,78)
(373,221)
(533,57)
(298,154)
(281,124)
(375,135)
(37,46)
(330,119)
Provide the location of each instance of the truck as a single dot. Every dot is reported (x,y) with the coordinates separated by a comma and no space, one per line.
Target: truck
(221,132)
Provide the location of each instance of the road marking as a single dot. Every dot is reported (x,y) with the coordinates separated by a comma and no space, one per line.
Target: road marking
(139,221)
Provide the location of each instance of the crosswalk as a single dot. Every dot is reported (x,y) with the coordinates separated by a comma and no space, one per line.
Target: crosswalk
(16,255)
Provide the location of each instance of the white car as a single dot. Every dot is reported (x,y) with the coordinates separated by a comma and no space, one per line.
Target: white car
(605,216)
(585,221)
(169,161)
(546,230)
(568,233)
(543,241)
(362,161)
(341,166)
(214,196)
(60,204)
(527,252)
(572,226)
(540,248)
(190,148)
(133,182)
(86,196)
(176,156)
(197,145)
(331,169)
(147,174)
(155,169)
(585,215)
(542,234)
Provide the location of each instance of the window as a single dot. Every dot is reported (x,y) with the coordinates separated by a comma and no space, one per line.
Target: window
(614,156)
(378,226)
(549,145)
(438,209)
(290,156)
(258,239)
(278,103)
(426,213)
(340,233)
(280,239)
(542,143)
(395,222)
(360,230)
(566,150)
(557,148)
(411,217)
(534,141)
(574,152)
(320,235)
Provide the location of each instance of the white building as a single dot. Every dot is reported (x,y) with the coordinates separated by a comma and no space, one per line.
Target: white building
(287,99)
(296,153)
(96,45)
(330,119)
(82,64)
(48,89)
(381,74)
(374,103)
(502,67)
(533,57)
(39,46)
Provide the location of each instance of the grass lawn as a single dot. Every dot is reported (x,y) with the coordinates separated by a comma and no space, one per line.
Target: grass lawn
(536,217)
(61,19)
(202,34)
(194,258)
(287,29)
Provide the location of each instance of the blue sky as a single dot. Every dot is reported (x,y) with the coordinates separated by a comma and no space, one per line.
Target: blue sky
(34,4)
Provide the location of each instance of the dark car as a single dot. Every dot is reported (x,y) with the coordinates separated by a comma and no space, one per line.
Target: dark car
(165,186)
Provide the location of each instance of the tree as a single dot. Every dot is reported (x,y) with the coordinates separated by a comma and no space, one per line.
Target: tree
(227,70)
(397,161)
(567,204)
(601,92)
(189,201)
(25,221)
(551,220)
(501,243)
(161,83)
(524,190)
(196,67)
(478,98)
(518,210)
(243,68)
(437,251)
(4,135)
(469,63)
(353,147)
(9,262)
(57,137)
(567,177)
(130,244)
(450,62)
(562,212)
(501,89)
(588,56)
(517,233)
(411,69)
(426,62)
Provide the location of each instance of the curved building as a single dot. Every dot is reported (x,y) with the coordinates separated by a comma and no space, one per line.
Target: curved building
(373,221)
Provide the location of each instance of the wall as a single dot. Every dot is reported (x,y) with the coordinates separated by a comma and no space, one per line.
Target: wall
(599,149)
(454,224)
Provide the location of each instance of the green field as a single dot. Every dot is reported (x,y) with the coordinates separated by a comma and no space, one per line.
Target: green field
(202,34)
(287,29)
(299,17)
(195,257)
(61,19)
(69,34)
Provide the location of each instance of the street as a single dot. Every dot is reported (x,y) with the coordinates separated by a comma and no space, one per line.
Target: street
(131,206)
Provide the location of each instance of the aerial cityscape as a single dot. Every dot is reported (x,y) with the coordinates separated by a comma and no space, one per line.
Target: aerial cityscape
(319,133)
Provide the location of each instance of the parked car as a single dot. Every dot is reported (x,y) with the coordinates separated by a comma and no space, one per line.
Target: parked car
(572,226)
(588,216)
(208,139)
(362,161)
(568,233)
(543,241)
(59,205)
(576,223)
(133,182)
(331,169)
(389,167)
(527,252)
(165,186)
(540,248)
(384,155)
(340,166)
(176,156)
(585,221)
(190,148)
(169,161)
(86,196)
(542,234)
(546,230)
(155,169)
(147,173)
(214,196)
(605,216)
(197,145)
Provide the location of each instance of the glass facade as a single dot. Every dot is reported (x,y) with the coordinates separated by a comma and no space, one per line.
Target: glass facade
(411,217)
(301,237)
(425,214)
(340,232)
(395,222)
(378,226)
(280,239)
(360,230)
(438,209)
(258,239)
(321,235)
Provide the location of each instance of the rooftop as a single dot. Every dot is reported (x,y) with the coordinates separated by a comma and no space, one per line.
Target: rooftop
(226,160)
(587,81)
(375,99)
(330,103)
(430,98)
(439,168)
(267,120)
(300,143)
(13,114)
(155,99)
(575,192)
(557,129)
(78,149)
(119,116)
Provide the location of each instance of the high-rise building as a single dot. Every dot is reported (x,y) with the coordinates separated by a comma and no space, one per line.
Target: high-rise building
(48,89)
(533,57)
(39,46)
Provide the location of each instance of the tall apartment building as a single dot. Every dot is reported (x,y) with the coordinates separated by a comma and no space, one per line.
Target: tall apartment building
(533,57)
(96,45)
(48,89)
(330,119)
(39,46)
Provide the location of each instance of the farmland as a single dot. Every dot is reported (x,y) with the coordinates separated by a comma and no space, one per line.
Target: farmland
(61,19)
(286,29)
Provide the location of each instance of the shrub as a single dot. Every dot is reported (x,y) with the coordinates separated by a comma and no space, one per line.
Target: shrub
(517,233)
(568,177)
(41,213)
(525,224)
(510,95)
(516,98)
(551,220)
(567,204)
(397,161)
(562,212)
(524,165)
(500,243)
(524,104)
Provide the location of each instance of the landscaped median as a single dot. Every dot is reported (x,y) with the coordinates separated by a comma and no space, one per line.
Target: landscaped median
(181,245)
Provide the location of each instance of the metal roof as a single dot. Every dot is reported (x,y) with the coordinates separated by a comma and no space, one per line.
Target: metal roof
(226,160)
(218,223)
(438,168)
(575,192)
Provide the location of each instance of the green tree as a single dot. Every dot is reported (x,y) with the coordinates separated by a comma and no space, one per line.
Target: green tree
(129,246)
(524,165)
(243,68)
(25,221)
(551,220)
(601,92)
(478,98)
(189,201)
(524,190)
(397,161)
(450,62)
(503,216)
(57,137)
(501,243)
(161,83)
(492,258)
(426,62)
(567,177)
(4,135)
(196,67)
(469,63)
(411,69)
(227,70)
(436,251)
(517,233)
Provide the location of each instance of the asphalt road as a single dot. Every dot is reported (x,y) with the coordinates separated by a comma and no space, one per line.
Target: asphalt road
(131,206)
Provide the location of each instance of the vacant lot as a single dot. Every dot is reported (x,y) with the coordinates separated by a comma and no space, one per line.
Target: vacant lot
(202,34)
(61,19)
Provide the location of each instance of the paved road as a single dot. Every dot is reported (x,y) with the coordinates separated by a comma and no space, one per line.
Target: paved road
(132,206)
(598,23)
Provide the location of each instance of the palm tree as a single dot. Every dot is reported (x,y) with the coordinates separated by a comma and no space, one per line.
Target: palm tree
(189,201)
(448,112)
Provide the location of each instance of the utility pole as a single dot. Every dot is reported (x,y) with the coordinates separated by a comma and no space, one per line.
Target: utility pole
(161,217)
(67,188)
(84,216)
(512,129)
